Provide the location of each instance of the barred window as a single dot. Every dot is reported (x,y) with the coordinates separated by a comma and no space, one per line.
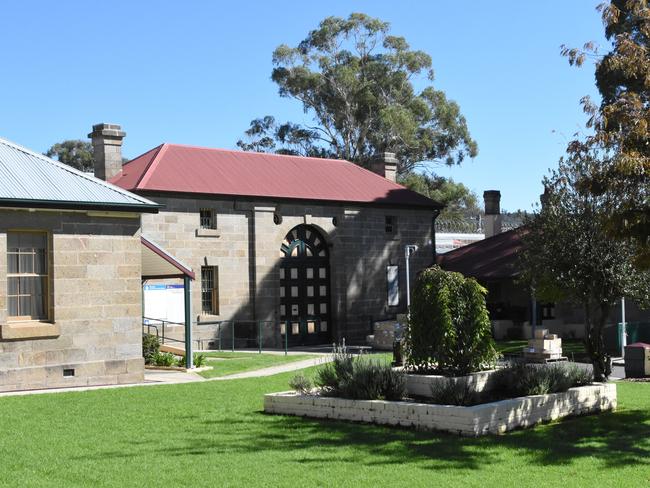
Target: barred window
(209,290)
(390,224)
(207,219)
(27,275)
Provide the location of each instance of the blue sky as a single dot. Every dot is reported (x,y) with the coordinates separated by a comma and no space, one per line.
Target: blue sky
(197,72)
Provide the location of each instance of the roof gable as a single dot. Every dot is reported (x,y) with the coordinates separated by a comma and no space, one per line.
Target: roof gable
(29,178)
(197,170)
(493,258)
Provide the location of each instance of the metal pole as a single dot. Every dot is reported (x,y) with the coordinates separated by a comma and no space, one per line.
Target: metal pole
(623,327)
(408,282)
(408,250)
(259,337)
(233,336)
(286,338)
(219,332)
(189,356)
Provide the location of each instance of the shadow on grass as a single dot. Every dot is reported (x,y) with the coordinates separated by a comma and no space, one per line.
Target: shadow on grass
(615,440)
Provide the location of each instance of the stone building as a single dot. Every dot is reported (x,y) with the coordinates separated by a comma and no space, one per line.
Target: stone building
(70,276)
(494,262)
(314,247)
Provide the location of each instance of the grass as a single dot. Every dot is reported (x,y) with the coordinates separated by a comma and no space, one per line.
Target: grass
(239,362)
(214,434)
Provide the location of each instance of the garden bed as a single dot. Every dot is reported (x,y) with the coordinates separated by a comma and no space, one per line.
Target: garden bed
(488,418)
(420,385)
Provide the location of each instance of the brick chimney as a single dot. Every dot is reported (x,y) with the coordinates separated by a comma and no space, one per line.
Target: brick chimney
(384,164)
(107,150)
(492,223)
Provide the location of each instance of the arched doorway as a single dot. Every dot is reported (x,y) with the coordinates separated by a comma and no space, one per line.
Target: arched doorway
(305,287)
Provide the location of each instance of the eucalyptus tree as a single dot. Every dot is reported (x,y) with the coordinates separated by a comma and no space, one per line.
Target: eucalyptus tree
(621,121)
(75,153)
(366,91)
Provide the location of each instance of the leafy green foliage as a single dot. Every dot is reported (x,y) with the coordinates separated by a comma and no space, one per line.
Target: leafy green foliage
(200,360)
(515,380)
(451,392)
(163,359)
(449,329)
(569,255)
(301,384)
(622,121)
(75,153)
(360,378)
(531,379)
(459,201)
(150,347)
(358,83)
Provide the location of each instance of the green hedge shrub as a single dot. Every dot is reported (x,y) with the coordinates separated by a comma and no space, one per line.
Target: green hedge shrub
(534,379)
(150,347)
(360,378)
(516,380)
(163,359)
(301,384)
(449,329)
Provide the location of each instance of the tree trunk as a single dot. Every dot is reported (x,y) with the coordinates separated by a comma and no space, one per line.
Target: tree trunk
(595,343)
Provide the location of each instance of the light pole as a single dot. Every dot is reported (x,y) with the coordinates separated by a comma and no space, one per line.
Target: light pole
(623,327)
(408,250)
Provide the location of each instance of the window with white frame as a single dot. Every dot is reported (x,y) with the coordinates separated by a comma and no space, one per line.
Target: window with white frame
(27,275)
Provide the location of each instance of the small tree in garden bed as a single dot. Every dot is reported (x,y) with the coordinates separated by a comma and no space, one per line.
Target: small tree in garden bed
(449,328)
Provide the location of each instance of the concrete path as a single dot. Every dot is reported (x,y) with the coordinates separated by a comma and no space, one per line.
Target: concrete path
(153,377)
(271,370)
(170,377)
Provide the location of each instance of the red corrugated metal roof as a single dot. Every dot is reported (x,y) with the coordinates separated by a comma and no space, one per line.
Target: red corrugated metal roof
(187,169)
(491,258)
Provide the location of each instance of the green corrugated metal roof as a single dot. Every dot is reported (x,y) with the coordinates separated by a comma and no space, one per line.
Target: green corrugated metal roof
(31,179)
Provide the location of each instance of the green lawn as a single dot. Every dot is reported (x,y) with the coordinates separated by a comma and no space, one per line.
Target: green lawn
(238,362)
(214,434)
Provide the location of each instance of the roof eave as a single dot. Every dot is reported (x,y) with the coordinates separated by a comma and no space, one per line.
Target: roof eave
(74,205)
(223,196)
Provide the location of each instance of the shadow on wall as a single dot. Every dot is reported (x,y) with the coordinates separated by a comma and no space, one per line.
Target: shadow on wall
(361,245)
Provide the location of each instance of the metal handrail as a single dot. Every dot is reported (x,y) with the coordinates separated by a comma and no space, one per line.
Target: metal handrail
(163,323)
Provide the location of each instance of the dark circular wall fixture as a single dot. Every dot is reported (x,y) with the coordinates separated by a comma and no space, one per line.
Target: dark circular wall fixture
(335,221)
(277,219)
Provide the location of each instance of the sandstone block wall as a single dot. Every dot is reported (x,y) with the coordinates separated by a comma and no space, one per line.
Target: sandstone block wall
(246,249)
(94,304)
(488,418)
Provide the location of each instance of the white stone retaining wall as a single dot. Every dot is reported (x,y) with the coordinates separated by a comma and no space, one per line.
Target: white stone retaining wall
(420,385)
(488,418)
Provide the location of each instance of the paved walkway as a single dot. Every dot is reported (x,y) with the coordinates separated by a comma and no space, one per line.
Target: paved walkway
(271,370)
(153,377)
